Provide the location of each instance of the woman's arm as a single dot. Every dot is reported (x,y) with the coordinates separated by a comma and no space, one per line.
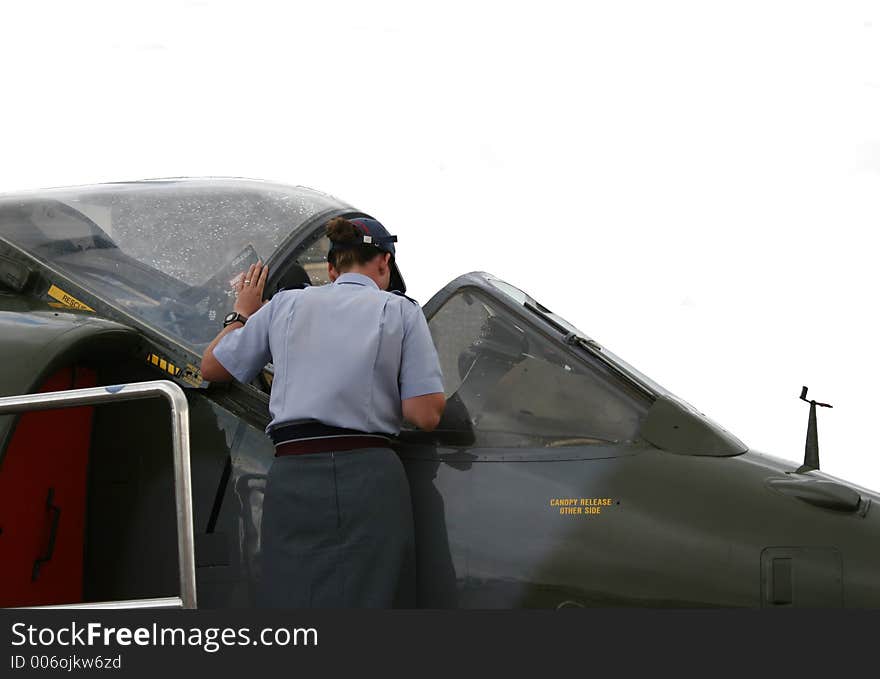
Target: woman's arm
(212,369)
(424,411)
(248,302)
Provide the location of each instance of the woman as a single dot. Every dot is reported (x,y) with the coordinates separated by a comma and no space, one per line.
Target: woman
(351,361)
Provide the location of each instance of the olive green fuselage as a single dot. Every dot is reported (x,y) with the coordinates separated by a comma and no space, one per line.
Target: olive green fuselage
(590,525)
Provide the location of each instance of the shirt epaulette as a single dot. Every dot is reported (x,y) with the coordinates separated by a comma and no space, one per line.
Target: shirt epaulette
(400,294)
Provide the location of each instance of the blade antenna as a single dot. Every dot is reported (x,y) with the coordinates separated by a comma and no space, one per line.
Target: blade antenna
(811,450)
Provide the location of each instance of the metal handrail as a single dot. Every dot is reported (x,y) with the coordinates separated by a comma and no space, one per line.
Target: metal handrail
(122,604)
(180,444)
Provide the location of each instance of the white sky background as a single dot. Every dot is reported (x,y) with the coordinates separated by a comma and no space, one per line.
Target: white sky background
(695,185)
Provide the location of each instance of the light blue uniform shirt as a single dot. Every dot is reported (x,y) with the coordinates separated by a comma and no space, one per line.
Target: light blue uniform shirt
(345,354)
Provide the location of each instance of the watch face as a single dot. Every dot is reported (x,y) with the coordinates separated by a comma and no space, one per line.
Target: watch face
(230,317)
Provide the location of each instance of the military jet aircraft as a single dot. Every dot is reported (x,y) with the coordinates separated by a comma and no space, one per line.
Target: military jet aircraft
(560,476)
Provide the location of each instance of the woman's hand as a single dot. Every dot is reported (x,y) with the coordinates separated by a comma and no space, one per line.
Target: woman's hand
(250,293)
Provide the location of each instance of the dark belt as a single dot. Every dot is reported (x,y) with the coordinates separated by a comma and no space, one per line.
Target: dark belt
(307,446)
(315,437)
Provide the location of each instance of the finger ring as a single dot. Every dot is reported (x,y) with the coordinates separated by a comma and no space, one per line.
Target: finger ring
(247,280)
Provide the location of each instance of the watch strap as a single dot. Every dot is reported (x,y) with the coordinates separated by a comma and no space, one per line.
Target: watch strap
(237,317)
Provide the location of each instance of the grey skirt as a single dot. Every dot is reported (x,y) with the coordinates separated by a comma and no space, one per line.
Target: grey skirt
(337,532)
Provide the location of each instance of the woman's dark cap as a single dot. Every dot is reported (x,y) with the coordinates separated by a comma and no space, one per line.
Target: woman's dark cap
(376,235)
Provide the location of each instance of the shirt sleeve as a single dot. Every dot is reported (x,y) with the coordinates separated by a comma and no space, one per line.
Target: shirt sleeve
(420,372)
(245,351)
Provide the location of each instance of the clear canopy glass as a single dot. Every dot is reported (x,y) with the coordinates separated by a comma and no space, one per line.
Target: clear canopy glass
(164,251)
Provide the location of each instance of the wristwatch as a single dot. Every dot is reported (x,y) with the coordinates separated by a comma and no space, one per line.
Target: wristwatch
(232,317)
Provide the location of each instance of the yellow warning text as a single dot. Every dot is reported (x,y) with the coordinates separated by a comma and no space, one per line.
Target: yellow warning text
(580,506)
(191,375)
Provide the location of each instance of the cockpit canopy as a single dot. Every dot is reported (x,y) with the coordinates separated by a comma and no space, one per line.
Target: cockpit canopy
(166,251)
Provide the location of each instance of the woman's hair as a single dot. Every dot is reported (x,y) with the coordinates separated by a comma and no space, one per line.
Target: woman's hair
(354,251)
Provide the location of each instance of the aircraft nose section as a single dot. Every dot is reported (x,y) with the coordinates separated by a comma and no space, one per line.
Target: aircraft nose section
(825,554)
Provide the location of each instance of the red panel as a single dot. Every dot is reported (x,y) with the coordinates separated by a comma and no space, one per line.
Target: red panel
(49,449)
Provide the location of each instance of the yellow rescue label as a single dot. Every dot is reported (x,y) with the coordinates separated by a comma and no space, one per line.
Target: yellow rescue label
(67,300)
